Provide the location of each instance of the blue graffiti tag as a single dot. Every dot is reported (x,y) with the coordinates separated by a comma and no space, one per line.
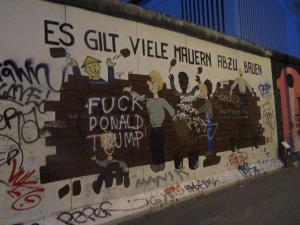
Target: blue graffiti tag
(265,90)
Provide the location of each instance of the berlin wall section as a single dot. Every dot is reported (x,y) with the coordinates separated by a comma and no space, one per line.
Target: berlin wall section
(103,118)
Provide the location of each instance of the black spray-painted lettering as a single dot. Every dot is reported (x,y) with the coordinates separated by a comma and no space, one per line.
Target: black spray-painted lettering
(16,93)
(104,210)
(100,41)
(149,48)
(252,68)
(228,63)
(25,124)
(31,74)
(192,56)
(62,27)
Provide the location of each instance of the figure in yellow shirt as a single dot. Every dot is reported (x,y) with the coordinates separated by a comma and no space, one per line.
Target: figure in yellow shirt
(242,86)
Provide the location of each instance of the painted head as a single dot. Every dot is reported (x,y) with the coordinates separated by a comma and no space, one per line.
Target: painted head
(108,141)
(156,82)
(208,85)
(199,70)
(183,81)
(202,91)
(92,67)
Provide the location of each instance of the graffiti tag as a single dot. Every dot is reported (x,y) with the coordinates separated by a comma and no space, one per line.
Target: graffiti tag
(202,184)
(265,90)
(246,171)
(23,187)
(167,177)
(237,158)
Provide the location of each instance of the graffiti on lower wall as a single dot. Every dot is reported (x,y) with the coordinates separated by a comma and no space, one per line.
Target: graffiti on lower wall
(237,158)
(106,211)
(23,188)
(159,180)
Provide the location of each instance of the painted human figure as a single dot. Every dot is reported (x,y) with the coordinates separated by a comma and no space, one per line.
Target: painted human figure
(181,123)
(92,67)
(207,109)
(156,108)
(184,83)
(201,88)
(108,166)
(242,86)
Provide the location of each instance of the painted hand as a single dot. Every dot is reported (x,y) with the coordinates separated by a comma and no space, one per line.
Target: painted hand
(171,77)
(109,62)
(127,89)
(73,62)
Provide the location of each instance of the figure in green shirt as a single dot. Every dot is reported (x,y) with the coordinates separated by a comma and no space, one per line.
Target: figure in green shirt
(156,108)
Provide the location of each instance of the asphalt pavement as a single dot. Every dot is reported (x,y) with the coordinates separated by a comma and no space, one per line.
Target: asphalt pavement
(272,199)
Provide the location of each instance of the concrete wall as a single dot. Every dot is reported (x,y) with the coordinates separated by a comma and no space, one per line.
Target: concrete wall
(93,128)
(286,78)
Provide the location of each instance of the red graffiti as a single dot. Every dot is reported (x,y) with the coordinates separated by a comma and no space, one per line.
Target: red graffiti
(23,187)
(236,158)
(174,190)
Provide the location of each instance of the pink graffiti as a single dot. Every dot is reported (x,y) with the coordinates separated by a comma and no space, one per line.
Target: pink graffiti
(236,158)
(174,190)
(23,187)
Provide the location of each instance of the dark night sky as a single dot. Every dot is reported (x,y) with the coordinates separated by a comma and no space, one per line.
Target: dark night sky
(288,40)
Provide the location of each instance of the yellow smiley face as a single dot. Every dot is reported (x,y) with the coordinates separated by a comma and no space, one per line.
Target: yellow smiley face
(93,69)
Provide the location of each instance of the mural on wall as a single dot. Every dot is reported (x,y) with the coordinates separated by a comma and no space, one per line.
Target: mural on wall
(287,95)
(112,111)
(122,124)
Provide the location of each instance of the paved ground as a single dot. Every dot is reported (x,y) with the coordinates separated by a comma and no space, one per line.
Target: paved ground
(267,200)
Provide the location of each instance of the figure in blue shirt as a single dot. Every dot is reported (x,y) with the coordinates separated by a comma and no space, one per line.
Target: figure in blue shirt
(92,67)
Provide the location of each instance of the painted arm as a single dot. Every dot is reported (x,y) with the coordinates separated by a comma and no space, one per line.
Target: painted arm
(110,69)
(207,108)
(134,94)
(204,107)
(75,67)
(169,108)
(111,73)
(193,91)
(175,92)
(233,85)
(139,97)
(248,86)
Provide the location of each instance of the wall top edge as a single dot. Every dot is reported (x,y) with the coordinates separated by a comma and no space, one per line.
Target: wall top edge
(139,14)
